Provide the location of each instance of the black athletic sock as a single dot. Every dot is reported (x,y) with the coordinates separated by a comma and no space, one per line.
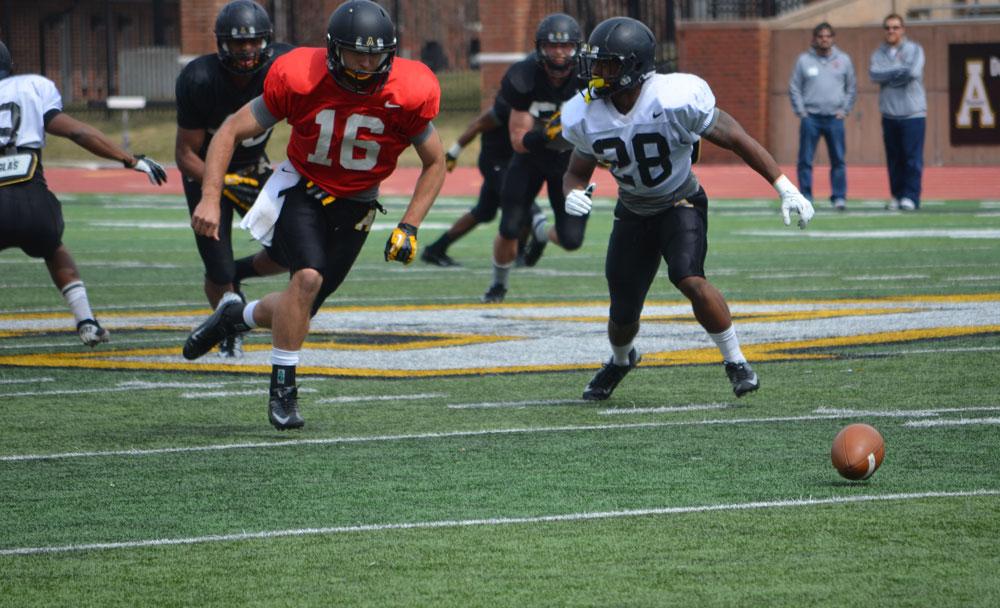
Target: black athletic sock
(282,376)
(441,245)
(245,269)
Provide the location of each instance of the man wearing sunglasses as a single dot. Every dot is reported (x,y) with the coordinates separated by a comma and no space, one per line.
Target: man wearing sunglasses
(897,66)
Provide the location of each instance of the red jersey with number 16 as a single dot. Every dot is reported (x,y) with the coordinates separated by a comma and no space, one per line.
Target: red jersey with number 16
(346,142)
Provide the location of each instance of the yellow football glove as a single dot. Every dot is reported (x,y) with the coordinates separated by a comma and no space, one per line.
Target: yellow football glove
(242,188)
(402,244)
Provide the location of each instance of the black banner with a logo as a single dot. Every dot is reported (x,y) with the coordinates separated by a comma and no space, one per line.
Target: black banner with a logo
(974,93)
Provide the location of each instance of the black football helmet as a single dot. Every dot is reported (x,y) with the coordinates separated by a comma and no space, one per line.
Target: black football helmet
(6,63)
(243,20)
(624,41)
(363,27)
(558,28)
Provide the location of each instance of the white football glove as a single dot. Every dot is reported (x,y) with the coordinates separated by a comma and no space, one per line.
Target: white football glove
(792,200)
(153,170)
(578,202)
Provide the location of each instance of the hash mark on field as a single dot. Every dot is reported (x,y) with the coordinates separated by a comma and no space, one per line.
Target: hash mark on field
(666,409)
(247,393)
(27,380)
(959,422)
(356,398)
(496,521)
(907,413)
(502,404)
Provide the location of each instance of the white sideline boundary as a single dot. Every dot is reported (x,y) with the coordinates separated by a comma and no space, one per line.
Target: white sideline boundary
(496,521)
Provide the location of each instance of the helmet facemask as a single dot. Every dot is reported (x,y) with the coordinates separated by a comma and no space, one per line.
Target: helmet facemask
(239,60)
(364,82)
(617,72)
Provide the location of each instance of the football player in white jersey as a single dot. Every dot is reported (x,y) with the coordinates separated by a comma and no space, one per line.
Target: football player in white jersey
(30,215)
(643,126)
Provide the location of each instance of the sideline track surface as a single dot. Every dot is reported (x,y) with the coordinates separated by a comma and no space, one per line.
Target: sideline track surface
(720,181)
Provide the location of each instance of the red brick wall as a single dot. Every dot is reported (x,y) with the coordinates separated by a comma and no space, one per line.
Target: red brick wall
(734,59)
(508,27)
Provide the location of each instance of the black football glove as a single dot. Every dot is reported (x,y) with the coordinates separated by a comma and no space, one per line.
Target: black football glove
(153,170)
(402,244)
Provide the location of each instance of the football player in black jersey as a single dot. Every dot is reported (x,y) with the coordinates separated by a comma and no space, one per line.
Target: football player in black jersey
(494,154)
(209,89)
(535,88)
(30,214)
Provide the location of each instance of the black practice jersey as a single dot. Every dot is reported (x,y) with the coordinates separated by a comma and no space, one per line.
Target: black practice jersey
(206,95)
(495,143)
(526,88)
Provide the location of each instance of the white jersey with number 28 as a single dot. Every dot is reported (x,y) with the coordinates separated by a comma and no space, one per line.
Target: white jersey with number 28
(649,148)
(24,101)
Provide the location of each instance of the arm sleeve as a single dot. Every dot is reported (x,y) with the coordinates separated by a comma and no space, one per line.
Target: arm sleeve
(881,70)
(49,96)
(913,61)
(699,114)
(276,97)
(795,90)
(190,114)
(261,113)
(850,87)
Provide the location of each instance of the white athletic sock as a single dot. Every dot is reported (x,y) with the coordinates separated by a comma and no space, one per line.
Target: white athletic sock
(501,273)
(248,314)
(619,354)
(729,345)
(540,227)
(76,296)
(288,358)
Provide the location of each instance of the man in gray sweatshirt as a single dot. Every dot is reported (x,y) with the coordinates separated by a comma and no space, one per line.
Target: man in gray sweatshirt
(898,68)
(823,89)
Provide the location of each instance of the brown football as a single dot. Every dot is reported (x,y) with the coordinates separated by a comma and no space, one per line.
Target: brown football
(857,451)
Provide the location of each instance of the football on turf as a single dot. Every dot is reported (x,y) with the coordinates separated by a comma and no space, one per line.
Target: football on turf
(857,451)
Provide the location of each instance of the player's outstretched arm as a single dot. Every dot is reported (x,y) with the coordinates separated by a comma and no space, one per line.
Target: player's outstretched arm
(402,243)
(487,121)
(729,134)
(95,142)
(240,125)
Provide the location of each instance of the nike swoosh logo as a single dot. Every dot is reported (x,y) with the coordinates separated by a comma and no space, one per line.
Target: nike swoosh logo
(389,104)
(280,419)
(657,114)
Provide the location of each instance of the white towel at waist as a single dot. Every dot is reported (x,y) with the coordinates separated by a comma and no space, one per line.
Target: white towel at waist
(262,216)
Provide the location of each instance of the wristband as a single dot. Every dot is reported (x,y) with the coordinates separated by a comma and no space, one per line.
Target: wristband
(455,150)
(784,185)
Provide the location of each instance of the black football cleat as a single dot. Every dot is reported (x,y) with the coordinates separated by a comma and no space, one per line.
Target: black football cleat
(283,409)
(608,377)
(742,377)
(436,257)
(91,333)
(495,294)
(533,249)
(226,321)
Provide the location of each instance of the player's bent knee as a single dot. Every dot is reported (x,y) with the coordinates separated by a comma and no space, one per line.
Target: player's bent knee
(307,281)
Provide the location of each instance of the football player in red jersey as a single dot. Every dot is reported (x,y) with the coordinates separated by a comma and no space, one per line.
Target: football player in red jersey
(353,108)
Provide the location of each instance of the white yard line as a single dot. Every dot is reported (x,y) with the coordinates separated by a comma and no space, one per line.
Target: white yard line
(959,422)
(358,398)
(411,437)
(510,404)
(27,380)
(496,521)
(666,409)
